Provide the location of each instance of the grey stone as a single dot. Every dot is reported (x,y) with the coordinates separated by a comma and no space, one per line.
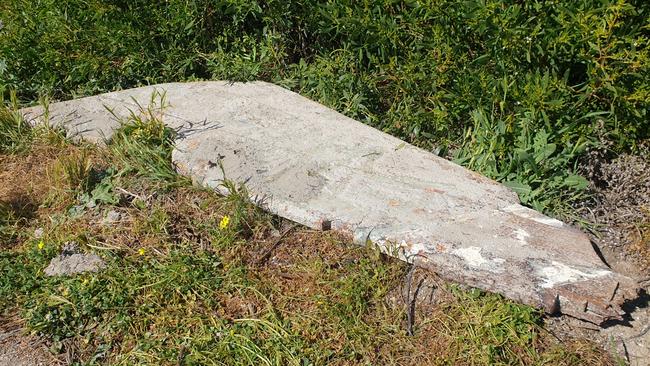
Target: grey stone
(38,233)
(72,261)
(111,217)
(312,165)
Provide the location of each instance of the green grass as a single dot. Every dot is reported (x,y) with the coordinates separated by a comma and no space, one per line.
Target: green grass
(15,133)
(179,288)
(153,309)
(9,221)
(143,145)
(517,91)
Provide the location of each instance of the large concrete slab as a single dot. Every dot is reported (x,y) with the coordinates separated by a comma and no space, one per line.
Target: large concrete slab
(312,165)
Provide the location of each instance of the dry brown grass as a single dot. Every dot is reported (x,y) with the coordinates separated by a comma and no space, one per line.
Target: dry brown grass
(26,175)
(24,183)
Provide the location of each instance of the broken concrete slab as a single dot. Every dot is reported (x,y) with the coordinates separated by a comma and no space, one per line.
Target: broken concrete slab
(71,261)
(312,165)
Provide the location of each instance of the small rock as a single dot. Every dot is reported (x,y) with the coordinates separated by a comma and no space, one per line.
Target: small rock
(111,217)
(76,211)
(38,233)
(72,261)
(70,248)
(275,233)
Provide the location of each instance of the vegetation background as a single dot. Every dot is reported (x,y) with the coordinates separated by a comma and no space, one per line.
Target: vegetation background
(518,90)
(526,92)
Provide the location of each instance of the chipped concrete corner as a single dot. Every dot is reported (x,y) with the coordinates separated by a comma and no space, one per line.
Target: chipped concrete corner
(312,165)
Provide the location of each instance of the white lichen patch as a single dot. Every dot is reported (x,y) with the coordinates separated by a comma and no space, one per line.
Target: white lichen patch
(521,235)
(560,273)
(406,251)
(548,221)
(471,255)
(416,248)
(530,214)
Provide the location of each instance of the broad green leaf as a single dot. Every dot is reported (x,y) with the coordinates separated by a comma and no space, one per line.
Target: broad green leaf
(545,152)
(518,187)
(576,181)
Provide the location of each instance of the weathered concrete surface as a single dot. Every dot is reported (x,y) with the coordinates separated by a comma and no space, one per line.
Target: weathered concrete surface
(312,165)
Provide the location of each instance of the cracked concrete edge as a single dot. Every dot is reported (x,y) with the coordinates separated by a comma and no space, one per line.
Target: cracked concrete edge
(597,296)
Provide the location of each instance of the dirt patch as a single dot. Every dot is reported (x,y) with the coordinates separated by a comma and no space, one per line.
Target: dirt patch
(437,317)
(20,349)
(627,340)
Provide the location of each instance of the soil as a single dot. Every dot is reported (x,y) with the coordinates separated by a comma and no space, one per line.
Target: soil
(627,340)
(20,349)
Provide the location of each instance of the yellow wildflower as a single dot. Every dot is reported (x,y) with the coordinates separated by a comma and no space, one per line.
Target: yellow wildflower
(225,221)
(41,245)
(141,251)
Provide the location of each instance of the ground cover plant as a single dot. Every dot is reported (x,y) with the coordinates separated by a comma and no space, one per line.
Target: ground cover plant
(192,277)
(516,90)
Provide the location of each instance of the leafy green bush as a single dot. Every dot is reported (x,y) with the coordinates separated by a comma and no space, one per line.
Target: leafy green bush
(529,163)
(492,81)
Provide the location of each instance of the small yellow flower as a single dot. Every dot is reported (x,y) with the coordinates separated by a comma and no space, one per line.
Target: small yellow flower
(85,281)
(225,221)
(141,251)
(41,245)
